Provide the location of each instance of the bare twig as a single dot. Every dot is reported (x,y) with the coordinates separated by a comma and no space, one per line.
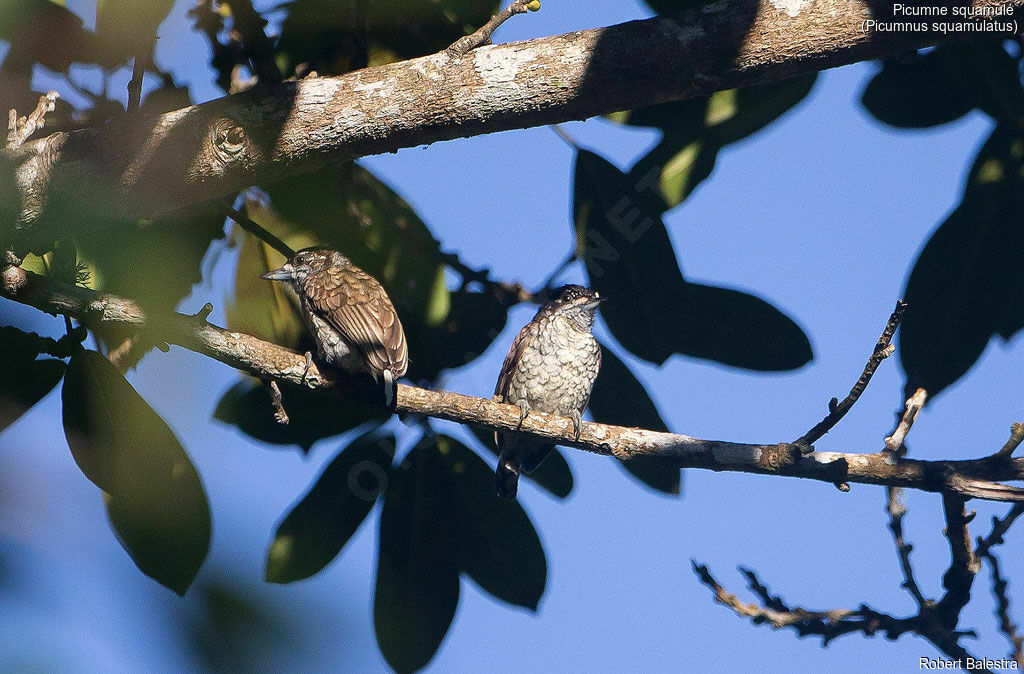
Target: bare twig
(835,622)
(1016,437)
(963,564)
(135,83)
(1006,624)
(979,478)
(507,293)
(999,529)
(837,410)
(913,405)
(897,510)
(482,36)
(984,550)
(280,416)
(259,48)
(251,226)
(19,129)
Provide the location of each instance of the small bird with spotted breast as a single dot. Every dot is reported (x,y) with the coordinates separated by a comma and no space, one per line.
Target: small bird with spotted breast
(551,368)
(350,316)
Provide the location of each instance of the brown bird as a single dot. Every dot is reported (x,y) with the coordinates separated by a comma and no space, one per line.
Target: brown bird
(351,318)
(551,368)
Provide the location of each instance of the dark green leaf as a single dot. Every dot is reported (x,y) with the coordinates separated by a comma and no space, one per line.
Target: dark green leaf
(553,474)
(968,282)
(25,380)
(235,630)
(651,310)
(417,569)
(620,399)
(127,28)
(154,262)
(946,83)
(154,495)
(629,257)
(471,324)
(314,415)
(316,529)
(261,308)
(335,36)
(498,546)
(665,6)
(695,131)
(741,330)
(41,31)
(748,110)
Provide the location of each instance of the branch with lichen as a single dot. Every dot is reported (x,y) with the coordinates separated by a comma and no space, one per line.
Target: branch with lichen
(978,478)
(221,147)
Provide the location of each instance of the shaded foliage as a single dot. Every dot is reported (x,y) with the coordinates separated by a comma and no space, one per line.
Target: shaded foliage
(26,379)
(652,311)
(619,398)
(440,517)
(317,528)
(968,283)
(154,496)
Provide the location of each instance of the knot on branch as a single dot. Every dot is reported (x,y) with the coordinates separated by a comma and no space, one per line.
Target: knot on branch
(229,139)
(781,455)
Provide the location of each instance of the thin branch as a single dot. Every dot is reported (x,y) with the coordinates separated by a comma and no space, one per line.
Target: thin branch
(999,529)
(280,416)
(259,48)
(19,129)
(897,510)
(963,565)
(914,403)
(979,478)
(548,285)
(135,83)
(827,624)
(1006,624)
(507,293)
(837,410)
(251,226)
(1016,437)
(482,36)
(835,622)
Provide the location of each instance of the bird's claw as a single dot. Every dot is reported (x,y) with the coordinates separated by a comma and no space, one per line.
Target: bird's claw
(523,411)
(309,364)
(577,425)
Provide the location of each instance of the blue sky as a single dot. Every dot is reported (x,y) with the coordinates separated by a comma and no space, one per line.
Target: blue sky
(821,214)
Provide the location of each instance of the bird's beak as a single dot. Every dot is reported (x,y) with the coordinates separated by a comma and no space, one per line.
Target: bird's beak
(283,274)
(592,304)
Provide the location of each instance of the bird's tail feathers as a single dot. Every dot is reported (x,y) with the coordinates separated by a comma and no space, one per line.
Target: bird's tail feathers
(506,481)
(389,387)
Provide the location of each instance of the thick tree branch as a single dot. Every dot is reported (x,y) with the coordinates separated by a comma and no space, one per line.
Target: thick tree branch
(221,147)
(979,478)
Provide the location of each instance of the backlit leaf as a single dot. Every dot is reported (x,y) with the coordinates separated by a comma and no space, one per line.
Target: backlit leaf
(317,528)
(498,546)
(154,496)
(417,588)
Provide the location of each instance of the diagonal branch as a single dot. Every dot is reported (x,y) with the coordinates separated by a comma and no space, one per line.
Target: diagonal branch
(897,510)
(837,410)
(979,478)
(223,146)
(835,622)
(482,35)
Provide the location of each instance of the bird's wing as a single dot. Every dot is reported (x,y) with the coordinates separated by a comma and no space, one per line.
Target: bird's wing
(355,304)
(508,368)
